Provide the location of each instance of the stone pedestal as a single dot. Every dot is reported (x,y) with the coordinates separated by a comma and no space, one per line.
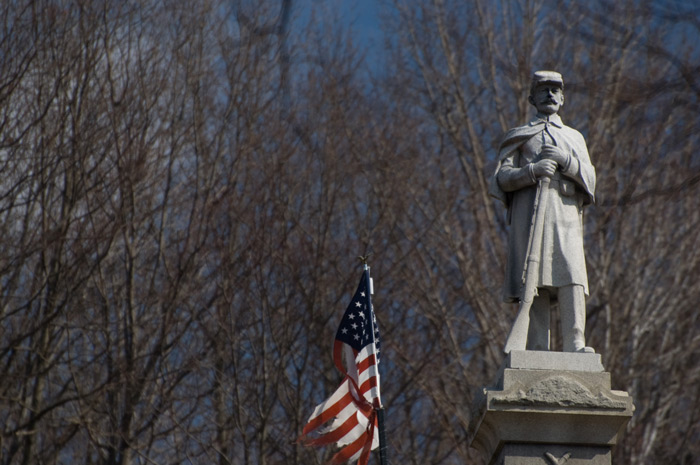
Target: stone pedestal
(550,408)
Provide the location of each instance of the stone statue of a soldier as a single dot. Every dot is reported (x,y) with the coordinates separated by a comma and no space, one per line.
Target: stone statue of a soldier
(546,148)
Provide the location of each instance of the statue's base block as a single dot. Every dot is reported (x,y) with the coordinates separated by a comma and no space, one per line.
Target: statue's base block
(550,408)
(535,454)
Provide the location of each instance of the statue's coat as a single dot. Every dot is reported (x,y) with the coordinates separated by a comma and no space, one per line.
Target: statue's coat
(562,262)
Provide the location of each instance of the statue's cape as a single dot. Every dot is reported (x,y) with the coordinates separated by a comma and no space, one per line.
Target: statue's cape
(568,139)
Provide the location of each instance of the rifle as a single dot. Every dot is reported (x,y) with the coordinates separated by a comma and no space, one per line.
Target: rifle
(517,339)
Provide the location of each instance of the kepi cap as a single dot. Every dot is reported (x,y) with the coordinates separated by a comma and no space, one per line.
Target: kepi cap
(550,77)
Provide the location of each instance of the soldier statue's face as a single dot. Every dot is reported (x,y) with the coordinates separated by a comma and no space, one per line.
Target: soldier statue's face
(547,98)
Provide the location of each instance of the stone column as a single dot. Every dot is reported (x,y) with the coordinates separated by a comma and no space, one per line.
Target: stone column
(550,408)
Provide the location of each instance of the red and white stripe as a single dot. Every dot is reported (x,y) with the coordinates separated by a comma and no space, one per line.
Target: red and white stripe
(349,414)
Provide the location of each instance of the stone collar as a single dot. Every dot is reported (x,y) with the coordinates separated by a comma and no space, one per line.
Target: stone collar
(555,120)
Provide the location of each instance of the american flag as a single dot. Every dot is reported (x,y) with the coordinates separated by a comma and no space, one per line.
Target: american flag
(349,415)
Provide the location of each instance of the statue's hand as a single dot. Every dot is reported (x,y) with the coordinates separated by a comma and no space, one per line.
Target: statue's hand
(552,152)
(544,167)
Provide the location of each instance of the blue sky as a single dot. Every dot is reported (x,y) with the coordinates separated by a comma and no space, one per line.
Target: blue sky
(361,16)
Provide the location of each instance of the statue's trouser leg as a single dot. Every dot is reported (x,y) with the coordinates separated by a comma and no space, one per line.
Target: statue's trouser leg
(572,308)
(538,332)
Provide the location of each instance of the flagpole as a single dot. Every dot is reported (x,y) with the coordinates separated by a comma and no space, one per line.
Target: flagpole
(379,409)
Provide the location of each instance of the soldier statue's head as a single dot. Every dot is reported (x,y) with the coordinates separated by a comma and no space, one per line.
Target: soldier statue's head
(547,92)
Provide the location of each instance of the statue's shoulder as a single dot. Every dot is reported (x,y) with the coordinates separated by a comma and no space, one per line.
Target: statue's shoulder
(571,131)
(517,133)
